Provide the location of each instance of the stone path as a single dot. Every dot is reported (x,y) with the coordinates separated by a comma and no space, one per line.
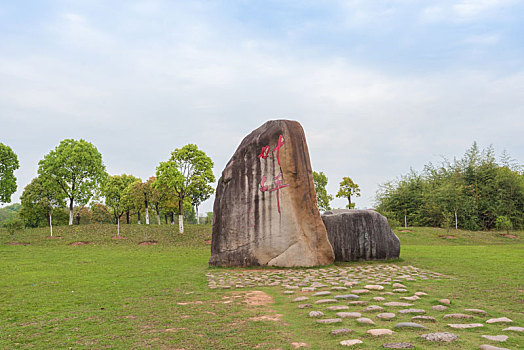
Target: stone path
(375,302)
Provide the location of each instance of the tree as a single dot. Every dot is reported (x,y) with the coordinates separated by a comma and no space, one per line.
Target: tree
(323,198)
(114,191)
(503,223)
(13,225)
(8,164)
(347,189)
(184,173)
(39,199)
(76,167)
(201,192)
(134,198)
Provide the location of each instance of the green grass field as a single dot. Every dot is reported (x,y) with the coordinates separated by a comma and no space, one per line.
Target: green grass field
(121,295)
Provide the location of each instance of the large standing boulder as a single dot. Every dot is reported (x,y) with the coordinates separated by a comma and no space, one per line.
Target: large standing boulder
(265,210)
(360,235)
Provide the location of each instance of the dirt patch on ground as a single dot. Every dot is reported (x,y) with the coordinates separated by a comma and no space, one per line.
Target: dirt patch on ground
(507,235)
(148,243)
(118,237)
(18,243)
(80,243)
(258,298)
(448,236)
(274,318)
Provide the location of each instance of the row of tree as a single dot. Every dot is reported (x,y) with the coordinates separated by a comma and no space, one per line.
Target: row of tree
(74,174)
(473,192)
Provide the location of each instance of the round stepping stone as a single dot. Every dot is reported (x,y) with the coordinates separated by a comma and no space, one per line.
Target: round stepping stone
(465,325)
(499,320)
(329,320)
(499,338)
(387,293)
(379,332)
(412,311)
(359,302)
(289,292)
(338,288)
(398,304)
(337,307)
(300,299)
(398,285)
(374,287)
(445,301)
(303,306)
(398,346)
(491,347)
(413,298)
(341,331)
(346,296)
(514,329)
(424,319)
(440,337)
(420,294)
(462,316)
(291,287)
(373,308)
(400,290)
(386,316)
(326,301)
(439,308)
(316,314)
(409,325)
(476,311)
(365,320)
(321,294)
(349,314)
(360,291)
(379,299)
(308,289)
(350,342)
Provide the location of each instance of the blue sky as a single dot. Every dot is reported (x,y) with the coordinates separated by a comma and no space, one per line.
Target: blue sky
(379,86)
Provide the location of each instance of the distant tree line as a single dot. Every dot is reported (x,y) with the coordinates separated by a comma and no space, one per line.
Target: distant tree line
(72,186)
(474,192)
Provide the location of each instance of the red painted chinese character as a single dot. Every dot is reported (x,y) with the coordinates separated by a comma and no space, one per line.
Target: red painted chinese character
(279,185)
(281,142)
(262,187)
(264,153)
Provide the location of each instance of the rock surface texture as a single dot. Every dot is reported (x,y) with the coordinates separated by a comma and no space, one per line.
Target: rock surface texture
(265,210)
(360,235)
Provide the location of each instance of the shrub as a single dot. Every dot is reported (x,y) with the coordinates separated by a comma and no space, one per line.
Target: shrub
(503,223)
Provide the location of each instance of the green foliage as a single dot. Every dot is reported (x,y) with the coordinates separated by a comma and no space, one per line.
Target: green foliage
(503,223)
(347,189)
(75,168)
(13,225)
(8,164)
(320,181)
(39,201)
(114,191)
(9,211)
(187,174)
(100,214)
(474,189)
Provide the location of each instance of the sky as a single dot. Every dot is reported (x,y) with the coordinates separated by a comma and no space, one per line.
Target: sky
(379,86)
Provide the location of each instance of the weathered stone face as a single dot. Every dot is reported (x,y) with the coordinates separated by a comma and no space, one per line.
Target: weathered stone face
(265,210)
(360,235)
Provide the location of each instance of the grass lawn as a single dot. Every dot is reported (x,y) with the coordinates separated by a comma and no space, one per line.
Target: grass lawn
(118,294)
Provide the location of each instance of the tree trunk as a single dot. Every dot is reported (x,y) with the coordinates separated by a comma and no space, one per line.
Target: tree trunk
(165,218)
(138,213)
(181,216)
(71,212)
(172,215)
(118,226)
(349,200)
(196,210)
(158,218)
(405,221)
(127,216)
(51,224)
(147,214)
(456,220)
